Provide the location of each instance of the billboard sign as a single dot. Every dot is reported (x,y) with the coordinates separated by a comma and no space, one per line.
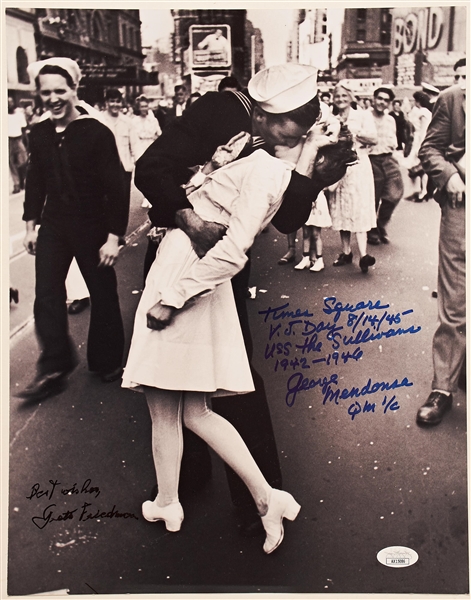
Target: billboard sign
(210,46)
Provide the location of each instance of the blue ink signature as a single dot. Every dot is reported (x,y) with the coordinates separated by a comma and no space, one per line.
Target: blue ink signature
(298,383)
(331,395)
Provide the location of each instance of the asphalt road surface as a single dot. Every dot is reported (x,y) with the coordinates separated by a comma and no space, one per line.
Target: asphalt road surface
(366,475)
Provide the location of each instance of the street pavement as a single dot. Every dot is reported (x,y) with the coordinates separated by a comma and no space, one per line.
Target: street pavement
(367,477)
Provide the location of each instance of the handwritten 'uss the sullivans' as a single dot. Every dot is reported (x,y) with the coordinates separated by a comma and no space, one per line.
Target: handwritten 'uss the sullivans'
(85,512)
(298,341)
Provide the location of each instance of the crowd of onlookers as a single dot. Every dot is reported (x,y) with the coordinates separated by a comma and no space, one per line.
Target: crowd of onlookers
(388,133)
(146,119)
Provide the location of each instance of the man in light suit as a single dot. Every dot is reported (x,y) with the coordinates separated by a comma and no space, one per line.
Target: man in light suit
(443,157)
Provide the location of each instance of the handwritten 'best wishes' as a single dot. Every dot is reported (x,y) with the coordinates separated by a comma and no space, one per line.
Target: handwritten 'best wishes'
(81,513)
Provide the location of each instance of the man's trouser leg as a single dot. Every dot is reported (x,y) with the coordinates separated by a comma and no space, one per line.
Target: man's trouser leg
(106,334)
(53,257)
(250,413)
(449,342)
(392,191)
(379,180)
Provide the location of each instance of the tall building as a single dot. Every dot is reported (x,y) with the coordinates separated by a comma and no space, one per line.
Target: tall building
(426,44)
(311,40)
(365,47)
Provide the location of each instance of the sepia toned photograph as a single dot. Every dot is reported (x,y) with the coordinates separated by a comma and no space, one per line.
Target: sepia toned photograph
(237,300)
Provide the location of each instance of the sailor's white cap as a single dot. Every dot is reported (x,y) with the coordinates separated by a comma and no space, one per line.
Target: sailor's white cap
(67,64)
(282,88)
(431,89)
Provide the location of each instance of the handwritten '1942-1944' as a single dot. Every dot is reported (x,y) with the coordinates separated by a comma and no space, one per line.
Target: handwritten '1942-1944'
(85,512)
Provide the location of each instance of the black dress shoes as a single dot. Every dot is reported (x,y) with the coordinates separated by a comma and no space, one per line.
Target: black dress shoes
(432,412)
(343,259)
(77,306)
(110,376)
(383,235)
(365,262)
(373,238)
(45,386)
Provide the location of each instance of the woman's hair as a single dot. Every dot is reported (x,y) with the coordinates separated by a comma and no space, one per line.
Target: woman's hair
(304,116)
(341,86)
(55,70)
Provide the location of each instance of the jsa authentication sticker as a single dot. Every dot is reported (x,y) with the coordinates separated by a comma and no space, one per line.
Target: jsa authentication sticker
(397,557)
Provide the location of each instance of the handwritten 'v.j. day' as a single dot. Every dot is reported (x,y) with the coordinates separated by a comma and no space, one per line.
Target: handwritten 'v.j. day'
(302,345)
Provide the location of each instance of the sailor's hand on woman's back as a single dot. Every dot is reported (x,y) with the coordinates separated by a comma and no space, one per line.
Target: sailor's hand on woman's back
(203,234)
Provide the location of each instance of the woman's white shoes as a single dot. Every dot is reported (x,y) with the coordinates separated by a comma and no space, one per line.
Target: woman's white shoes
(171,514)
(304,264)
(281,506)
(318,265)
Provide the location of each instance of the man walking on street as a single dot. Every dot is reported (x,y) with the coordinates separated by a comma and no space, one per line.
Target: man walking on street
(75,191)
(389,186)
(443,157)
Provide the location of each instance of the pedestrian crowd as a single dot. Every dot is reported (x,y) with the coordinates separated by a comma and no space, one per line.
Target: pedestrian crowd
(216,170)
(388,134)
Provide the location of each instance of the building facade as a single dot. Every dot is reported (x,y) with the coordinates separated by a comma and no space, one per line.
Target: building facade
(365,47)
(426,44)
(105,43)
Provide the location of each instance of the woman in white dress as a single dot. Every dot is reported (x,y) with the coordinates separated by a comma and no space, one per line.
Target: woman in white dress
(352,199)
(187,344)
